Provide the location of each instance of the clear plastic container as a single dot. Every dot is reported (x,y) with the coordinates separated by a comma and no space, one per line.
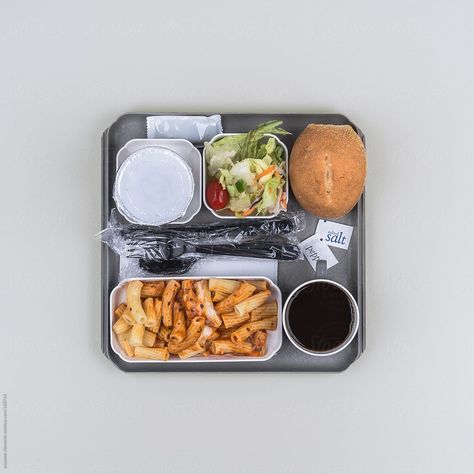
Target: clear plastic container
(226,214)
(153,186)
(187,151)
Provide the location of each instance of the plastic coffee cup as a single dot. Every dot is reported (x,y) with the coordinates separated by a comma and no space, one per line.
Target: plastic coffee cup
(321,317)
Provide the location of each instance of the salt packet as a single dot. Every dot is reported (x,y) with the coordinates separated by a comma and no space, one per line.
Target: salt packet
(335,234)
(195,128)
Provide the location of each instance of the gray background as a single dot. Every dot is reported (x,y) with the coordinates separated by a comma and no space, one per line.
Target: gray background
(402,71)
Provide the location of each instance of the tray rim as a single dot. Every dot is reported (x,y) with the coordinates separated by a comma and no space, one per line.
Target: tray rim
(105,251)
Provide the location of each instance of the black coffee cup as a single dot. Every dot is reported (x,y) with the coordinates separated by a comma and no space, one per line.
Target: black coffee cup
(321,317)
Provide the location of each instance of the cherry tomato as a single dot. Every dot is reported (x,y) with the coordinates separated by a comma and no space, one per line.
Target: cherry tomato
(217,197)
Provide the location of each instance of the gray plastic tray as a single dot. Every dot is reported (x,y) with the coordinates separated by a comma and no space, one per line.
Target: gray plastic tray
(350,271)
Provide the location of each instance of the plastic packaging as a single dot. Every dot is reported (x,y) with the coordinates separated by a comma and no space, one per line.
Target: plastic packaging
(168,250)
(197,129)
(133,240)
(188,153)
(168,247)
(146,184)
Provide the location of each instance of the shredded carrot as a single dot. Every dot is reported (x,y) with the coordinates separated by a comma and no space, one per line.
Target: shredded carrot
(248,211)
(269,170)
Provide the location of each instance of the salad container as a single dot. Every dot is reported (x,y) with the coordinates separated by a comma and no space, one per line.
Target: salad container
(274,341)
(227,214)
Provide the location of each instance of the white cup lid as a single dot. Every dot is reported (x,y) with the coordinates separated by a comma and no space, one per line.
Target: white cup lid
(153,186)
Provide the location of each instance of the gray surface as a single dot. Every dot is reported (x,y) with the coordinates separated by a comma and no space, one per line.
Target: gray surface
(402,71)
(349,271)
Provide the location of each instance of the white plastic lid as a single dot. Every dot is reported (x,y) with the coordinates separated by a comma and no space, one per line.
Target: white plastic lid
(153,186)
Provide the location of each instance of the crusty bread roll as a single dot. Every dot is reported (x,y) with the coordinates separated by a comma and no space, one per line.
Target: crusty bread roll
(327,169)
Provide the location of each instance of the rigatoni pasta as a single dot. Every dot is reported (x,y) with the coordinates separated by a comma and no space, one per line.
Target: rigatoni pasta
(120,326)
(221,288)
(158,313)
(207,336)
(152,289)
(149,339)
(260,285)
(205,302)
(248,305)
(259,341)
(136,335)
(219,295)
(233,319)
(179,323)
(127,316)
(226,346)
(223,285)
(245,331)
(153,353)
(134,303)
(191,351)
(267,310)
(244,291)
(191,304)
(159,342)
(168,296)
(119,310)
(125,345)
(164,333)
(192,335)
(225,333)
(180,319)
(150,311)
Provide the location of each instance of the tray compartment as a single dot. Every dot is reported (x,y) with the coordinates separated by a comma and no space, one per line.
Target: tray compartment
(274,337)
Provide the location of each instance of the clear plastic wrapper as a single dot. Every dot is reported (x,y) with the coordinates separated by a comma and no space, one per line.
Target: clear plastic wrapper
(197,129)
(133,240)
(167,250)
(170,248)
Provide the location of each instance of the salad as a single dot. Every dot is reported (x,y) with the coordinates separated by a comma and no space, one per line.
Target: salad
(247,172)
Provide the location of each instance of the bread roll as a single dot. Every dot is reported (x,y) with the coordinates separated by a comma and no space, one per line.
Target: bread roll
(327,169)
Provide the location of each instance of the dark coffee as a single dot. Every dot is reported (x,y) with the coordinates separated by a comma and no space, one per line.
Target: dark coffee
(320,316)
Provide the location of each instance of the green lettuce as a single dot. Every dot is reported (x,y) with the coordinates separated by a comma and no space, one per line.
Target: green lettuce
(240,203)
(270,195)
(249,147)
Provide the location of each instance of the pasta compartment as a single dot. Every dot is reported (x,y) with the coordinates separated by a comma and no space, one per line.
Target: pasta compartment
(274,338)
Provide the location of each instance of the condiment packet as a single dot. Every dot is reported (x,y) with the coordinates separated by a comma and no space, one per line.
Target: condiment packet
(335,234)
(315,248)
(197,129)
